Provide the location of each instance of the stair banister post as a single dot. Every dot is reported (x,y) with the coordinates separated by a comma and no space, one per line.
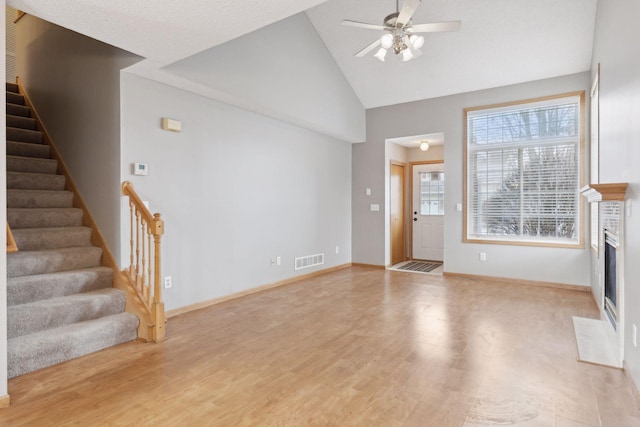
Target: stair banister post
(158,306)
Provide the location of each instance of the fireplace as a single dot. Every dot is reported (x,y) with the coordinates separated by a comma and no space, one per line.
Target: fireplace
(607,263)
(610,279)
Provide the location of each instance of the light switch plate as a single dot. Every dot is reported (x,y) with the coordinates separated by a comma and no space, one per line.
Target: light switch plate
(374,208)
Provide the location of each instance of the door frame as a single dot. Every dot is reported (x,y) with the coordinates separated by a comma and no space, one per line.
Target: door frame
(411,210)
(404,206)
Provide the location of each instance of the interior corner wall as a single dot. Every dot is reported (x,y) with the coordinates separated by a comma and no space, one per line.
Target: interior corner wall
(236,189)
(294,79)
(74,83)
(558,265)
(3,218)
(618,53)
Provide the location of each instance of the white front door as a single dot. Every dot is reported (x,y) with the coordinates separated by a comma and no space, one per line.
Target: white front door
(428,212)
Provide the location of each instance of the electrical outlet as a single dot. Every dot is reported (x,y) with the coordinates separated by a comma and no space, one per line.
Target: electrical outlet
(278,260)
(273,262)
(483,256)
(167,282)
(337,249)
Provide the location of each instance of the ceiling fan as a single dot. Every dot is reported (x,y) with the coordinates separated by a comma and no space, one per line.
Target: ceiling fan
(400,34)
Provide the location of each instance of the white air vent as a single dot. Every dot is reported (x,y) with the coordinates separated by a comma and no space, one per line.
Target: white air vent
(309,261)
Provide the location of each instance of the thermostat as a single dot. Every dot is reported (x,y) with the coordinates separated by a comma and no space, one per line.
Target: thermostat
(140,169)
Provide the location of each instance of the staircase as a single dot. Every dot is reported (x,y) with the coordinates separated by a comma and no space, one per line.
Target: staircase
(61,303)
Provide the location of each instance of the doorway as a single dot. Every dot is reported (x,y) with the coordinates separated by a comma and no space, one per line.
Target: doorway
(397,212)
(427,209)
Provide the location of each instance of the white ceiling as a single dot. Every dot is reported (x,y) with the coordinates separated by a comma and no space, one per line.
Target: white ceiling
(163,31)
(502,42)
(415,140)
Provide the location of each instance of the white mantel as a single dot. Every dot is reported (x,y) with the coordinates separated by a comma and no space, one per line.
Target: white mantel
(605,192)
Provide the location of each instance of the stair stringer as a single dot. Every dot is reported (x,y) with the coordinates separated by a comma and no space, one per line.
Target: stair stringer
(134,304)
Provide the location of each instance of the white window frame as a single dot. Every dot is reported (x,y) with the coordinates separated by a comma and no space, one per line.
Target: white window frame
(468,233)
(594,174)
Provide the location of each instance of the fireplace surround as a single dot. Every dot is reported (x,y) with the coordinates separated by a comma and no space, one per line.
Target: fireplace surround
(608,262)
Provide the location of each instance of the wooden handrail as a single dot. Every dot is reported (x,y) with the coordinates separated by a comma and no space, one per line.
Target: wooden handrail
(11,242)
(146,276)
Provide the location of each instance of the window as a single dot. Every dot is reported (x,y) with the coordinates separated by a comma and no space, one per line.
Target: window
(523,172)
(432,193)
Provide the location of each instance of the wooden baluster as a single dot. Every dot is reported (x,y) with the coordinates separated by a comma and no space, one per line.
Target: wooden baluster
(144,253)
(150,275)
(131,216)
(138,275)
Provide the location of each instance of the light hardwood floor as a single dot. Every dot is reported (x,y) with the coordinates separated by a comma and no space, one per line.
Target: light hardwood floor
(358,346)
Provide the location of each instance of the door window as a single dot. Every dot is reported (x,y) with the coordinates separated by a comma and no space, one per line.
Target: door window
(432,193)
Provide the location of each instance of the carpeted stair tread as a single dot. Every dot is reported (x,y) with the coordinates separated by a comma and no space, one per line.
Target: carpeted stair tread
(35,181)
(21,122)
(25,319)
(61,301)
(35,351)
(12,87)
(15,98)
(24,149)
(44,217)
(31,165)
(18,110)
(24,263)
(24,135)
(29,239)
(39,199)
(26,289)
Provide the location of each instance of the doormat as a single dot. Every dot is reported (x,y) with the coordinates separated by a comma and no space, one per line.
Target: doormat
(421,266)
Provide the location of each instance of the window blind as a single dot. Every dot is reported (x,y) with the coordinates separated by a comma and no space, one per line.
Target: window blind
(523,172)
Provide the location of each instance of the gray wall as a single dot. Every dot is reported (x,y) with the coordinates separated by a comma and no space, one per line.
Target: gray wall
(569,266)
(284,71)
(74,82)
(235,189)
(617,50)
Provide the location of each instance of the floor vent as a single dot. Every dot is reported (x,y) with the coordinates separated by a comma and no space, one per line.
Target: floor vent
(309,261)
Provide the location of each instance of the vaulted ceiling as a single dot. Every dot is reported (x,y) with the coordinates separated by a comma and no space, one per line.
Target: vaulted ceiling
(501,42)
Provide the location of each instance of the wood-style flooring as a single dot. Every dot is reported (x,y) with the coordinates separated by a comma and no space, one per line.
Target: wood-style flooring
(356,347)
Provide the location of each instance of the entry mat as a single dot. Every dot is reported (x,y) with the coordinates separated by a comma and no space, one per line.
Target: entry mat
(421,266)
(596,341)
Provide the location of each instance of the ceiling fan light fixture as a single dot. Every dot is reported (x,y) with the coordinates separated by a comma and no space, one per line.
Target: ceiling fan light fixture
(407,55)
(386,41)
(416,41)
(398,44)
(380,54)
(399,33)
(424,146)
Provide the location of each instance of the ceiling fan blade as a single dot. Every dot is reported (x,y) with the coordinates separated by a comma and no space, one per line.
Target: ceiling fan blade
(408,9)
(435,27)
(368,49)
(357,24)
